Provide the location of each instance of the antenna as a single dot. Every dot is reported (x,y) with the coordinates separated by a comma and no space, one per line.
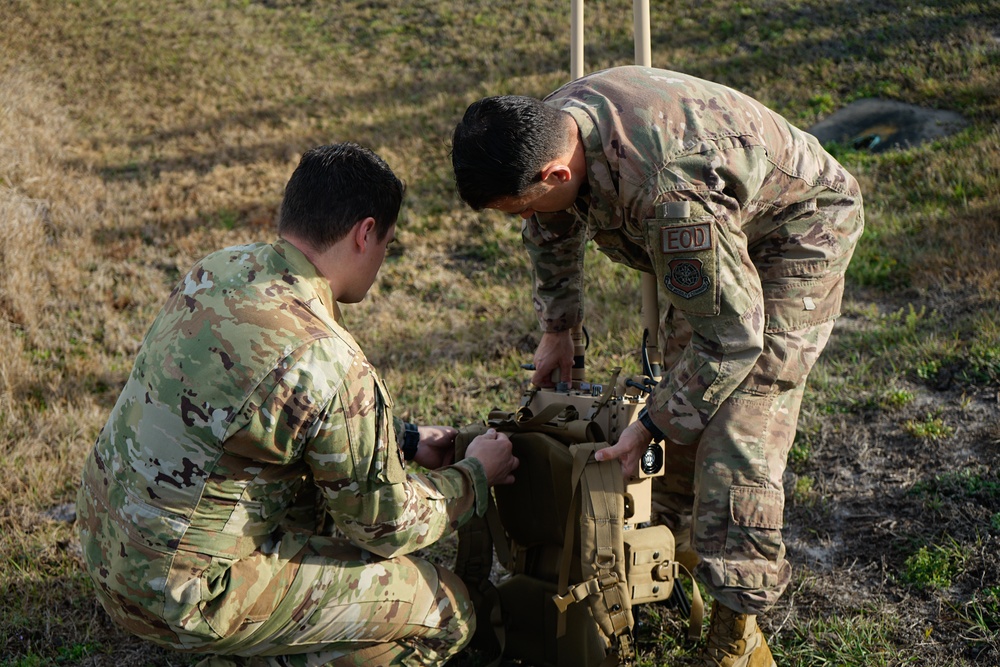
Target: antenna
(650,305)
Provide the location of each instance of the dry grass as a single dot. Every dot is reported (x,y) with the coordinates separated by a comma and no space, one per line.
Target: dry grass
(135,136)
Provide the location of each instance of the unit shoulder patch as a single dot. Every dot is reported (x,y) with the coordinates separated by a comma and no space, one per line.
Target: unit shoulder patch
(686,277)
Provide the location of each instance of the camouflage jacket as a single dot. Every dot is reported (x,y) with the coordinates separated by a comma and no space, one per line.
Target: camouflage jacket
(746,221)
(250,417)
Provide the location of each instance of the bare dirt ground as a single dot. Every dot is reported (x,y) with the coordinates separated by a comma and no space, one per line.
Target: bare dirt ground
(851,545)
(880,494)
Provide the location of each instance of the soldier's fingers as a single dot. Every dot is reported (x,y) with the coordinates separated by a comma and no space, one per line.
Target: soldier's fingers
(541,379)
(612,452)
(630,464)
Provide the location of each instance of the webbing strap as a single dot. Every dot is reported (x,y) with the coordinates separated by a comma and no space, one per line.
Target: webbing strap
(697,607)
(608,519)
(606,492)
(498,535)
(600,505)
(570,430)
(527,422)
(580,457)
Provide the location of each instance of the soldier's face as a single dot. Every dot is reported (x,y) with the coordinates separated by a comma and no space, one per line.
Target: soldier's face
(544,197)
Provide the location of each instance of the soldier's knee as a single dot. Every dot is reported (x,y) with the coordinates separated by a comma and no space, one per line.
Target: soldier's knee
(453,594)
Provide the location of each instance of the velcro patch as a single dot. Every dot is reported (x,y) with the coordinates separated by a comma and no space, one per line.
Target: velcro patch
(686,238)
(686,277)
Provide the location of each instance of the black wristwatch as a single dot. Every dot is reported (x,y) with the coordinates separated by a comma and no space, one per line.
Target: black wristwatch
(650,426)
(411,439)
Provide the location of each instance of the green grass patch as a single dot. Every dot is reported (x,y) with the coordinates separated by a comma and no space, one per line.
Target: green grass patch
(801,449)
(861,640)
(934,566)
(893,399)
(804,493)
(983,612)
(931,427)
(978,484)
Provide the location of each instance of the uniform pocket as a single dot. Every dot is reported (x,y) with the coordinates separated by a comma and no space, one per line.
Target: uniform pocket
(682,245)
(757,507)
(801,301)
(754,543)
(389,464)
(230,590)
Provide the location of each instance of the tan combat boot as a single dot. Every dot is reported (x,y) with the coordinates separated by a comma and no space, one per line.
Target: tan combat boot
(735,640)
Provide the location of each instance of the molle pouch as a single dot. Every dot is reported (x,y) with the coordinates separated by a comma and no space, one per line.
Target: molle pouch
(683,245)
(649,563)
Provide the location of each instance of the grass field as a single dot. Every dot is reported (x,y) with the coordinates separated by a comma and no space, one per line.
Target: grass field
(136,136)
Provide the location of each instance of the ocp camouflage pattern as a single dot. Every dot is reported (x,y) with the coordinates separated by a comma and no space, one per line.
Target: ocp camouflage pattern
(748,225)
(783,214)
(251,429)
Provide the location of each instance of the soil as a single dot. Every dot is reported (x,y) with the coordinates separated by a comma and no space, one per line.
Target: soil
(878,503)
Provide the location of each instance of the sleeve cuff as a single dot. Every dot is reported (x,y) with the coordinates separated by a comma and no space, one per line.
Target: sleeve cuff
(480,484)
(647,421)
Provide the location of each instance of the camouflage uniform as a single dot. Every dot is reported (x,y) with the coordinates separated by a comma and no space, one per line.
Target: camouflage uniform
(250,425)
(748,225)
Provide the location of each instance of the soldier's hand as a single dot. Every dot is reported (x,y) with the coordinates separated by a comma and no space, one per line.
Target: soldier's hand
(437,446)
(495,451)
(629,449)
(555,352)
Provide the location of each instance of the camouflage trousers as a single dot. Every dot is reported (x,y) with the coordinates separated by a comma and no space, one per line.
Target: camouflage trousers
(726,490)
(345,607)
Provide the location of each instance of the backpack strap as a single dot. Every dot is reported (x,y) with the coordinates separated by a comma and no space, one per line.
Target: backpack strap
(560,420)
(599,488)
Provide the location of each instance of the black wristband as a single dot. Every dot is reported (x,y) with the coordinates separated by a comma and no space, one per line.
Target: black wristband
(650,426)
(411,439)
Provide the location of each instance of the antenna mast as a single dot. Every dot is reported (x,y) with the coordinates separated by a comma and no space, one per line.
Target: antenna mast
(650,304)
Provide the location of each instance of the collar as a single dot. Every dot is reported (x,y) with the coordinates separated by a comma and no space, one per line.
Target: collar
(600,192)
(307,271)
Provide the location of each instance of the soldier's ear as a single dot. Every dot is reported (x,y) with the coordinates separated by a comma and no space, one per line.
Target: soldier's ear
(364,233)
(556,173)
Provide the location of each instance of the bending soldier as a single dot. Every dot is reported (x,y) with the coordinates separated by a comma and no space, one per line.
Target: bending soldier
(748,225)
(251,425)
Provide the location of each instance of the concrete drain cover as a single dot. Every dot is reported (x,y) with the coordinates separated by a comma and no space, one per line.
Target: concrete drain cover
(877,125)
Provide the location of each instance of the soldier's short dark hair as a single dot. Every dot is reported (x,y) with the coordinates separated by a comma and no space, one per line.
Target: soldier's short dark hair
(333,188)
(501,145)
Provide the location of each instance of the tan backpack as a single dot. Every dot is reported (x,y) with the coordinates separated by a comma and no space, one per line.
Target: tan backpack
(561,534)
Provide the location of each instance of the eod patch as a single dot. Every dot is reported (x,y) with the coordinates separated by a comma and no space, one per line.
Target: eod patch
(682,245)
